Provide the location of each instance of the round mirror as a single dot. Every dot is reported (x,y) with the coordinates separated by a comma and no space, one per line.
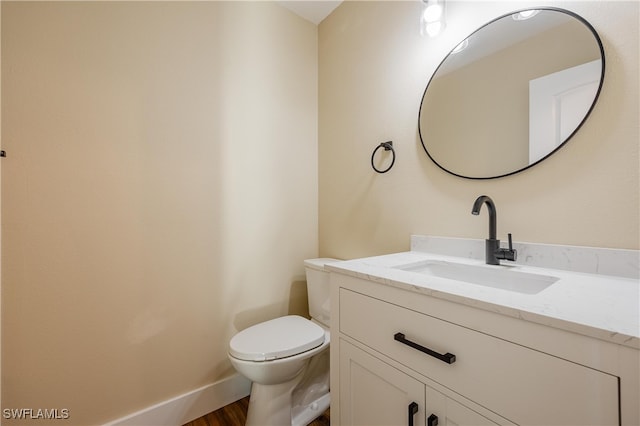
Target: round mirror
(511,93)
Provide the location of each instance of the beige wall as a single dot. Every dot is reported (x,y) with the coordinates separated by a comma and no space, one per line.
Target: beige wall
(373,68)
(160,193)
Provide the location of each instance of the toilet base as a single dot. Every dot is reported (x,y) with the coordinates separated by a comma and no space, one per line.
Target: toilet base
(312,397)
(270,405)
(296,402)
(302,416)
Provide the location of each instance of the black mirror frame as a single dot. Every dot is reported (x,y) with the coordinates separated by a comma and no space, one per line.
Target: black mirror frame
(595,99)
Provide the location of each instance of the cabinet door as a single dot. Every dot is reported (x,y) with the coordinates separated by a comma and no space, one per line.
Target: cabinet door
(372,393)
(451,413)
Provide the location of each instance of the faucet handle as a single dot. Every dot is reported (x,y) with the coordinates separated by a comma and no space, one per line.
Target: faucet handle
(511,254)
(506,253)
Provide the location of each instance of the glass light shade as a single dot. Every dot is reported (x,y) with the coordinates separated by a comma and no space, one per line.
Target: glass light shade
(432,13)
(434,28)
(432,20)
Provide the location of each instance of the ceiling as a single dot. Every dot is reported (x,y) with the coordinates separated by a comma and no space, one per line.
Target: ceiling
(311,10)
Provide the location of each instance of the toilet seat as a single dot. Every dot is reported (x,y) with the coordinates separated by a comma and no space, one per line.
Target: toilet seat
(278,338)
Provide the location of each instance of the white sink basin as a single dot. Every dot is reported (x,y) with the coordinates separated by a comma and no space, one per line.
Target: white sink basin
(488,276)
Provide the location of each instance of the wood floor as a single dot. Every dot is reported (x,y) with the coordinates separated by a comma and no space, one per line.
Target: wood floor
(236,414)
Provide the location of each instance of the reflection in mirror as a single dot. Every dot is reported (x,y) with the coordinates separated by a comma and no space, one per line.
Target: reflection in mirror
(511,93)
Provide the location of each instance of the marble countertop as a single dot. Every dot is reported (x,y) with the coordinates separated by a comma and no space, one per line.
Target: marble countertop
(606,307)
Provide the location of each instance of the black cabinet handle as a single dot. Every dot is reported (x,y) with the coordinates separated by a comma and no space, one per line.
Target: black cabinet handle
(449,358)
(432,420)
(413,409)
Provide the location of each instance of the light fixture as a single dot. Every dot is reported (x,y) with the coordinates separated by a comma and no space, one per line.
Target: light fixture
(432,20)
(525,14)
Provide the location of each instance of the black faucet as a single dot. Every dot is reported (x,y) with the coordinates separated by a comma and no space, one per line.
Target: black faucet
(493,252)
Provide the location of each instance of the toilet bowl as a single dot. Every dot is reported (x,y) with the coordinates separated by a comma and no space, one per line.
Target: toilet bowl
(287,359)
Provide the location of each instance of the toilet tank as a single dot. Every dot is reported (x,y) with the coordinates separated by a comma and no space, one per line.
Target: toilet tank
(318,289)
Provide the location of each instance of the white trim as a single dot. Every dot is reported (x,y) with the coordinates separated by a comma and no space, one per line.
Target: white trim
(189,406)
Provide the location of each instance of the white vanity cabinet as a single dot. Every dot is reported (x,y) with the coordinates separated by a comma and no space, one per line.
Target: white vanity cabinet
(392,347)
(376,394)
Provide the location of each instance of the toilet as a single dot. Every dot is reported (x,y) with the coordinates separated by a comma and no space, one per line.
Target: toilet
(287,359)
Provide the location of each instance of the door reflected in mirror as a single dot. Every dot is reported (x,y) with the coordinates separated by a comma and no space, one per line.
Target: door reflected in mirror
(511,93)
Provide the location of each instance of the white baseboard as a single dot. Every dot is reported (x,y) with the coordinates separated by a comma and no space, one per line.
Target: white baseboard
(189,406)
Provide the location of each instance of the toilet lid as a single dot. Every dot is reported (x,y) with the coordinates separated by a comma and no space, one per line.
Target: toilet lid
(277,338)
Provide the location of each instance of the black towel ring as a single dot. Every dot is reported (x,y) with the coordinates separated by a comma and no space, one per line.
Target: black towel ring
(388,146)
